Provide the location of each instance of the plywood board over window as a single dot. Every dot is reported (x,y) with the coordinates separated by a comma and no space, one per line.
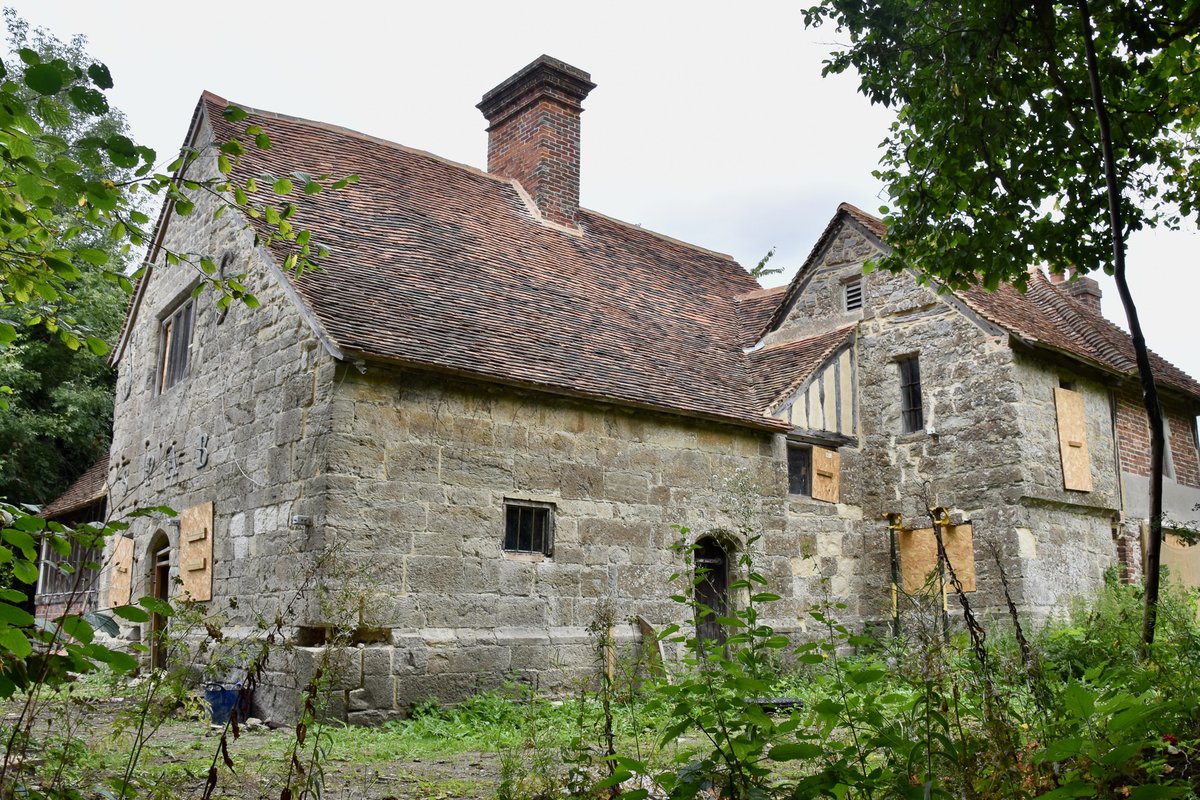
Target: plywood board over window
(1072,440)
(918,556)
(120,577)
(826,474)
(196,550)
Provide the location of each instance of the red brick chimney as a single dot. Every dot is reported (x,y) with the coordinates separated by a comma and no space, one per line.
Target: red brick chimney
(1085,290)
(533,133)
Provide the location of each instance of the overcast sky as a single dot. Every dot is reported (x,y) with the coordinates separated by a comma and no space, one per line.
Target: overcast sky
(710,122)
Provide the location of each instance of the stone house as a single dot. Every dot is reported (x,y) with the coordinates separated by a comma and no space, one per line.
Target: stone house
(483,418)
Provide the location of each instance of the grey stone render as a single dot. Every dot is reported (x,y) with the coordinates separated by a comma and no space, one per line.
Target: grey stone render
(370,498)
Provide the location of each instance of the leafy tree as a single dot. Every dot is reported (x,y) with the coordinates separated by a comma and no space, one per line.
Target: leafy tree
(73,191)
(1033,133)
(59,418)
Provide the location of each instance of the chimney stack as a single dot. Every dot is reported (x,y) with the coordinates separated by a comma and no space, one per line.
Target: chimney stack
(533,134)
(1085,290)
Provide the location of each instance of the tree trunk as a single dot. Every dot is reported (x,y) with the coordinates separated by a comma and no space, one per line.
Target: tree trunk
(1149,391)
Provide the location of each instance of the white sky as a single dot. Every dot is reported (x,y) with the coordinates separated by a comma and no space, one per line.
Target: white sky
(710,121)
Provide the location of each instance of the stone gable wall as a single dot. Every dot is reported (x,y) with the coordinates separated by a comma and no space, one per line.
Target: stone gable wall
(821,305)
(245,428)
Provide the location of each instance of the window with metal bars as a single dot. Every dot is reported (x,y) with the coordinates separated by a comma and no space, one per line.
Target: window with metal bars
(799,463)
(853,294)
(910,395)
(175,340)
(528,527)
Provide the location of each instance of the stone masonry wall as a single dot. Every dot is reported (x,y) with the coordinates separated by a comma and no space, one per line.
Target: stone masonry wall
(992,454)
(244,428)
(417,475)
(821,306)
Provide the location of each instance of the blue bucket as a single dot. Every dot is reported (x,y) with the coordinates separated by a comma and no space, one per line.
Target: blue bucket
(223,698)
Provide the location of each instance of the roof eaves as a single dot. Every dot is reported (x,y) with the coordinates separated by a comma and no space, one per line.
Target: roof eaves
(740,420)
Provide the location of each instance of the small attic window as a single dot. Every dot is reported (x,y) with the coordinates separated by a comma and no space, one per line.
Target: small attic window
(853,293)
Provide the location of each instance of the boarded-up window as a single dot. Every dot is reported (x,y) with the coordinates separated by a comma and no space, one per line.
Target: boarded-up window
(918,556)
(120,577)
(196,551)
(1072,440)
(826,474)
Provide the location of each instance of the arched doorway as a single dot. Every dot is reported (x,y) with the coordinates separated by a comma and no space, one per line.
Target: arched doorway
(160,588)
(712,588)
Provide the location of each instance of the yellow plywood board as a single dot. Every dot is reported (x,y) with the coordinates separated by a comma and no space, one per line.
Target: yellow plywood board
(195,551)
(826,474)
(1072,440)
(120,576)
(918,556)
(1183,561)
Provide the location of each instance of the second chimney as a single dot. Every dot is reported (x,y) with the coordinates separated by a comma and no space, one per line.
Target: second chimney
(533,134)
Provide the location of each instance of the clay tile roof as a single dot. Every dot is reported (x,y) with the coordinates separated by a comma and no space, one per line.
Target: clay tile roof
(90,487)
(872,223)
(782,368)
(1048,316)
(754,311)
(441,266)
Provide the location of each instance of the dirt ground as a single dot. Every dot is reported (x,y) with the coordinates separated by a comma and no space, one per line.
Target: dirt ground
(359,764)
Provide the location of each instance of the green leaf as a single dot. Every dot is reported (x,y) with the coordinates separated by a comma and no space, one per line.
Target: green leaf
(100,76)
(157,606)
(14,641)
(1079,700)
(864,676)
(234,114)
(1060,750)
(282,186)
(25,571)
(98,347)
(131,613)
(262,141)
(22,540)
(29,523)
(13,596)
(78,628)
(44,78)
(794,751)
(11,615)
(1072,789)
(93,256)
(88,100)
